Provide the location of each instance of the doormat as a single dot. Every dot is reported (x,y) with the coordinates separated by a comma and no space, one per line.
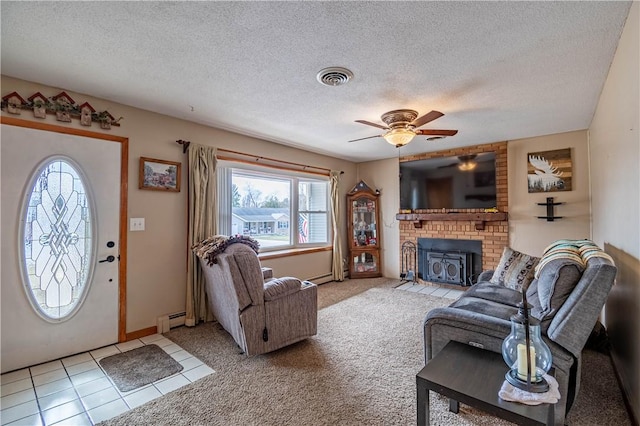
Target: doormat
(139,367)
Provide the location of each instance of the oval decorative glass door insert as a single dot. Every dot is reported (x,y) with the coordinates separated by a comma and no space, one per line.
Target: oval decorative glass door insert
(57,239)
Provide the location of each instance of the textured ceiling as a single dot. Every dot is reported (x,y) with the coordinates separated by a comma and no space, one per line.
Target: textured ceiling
(497,70)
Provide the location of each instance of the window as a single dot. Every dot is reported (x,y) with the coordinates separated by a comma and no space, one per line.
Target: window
(57,240)
(279,209)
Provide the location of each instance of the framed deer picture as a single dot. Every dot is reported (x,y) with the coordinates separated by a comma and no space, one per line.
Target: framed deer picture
(549,171)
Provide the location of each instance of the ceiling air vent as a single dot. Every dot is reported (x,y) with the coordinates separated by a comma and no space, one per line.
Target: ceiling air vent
(334,76)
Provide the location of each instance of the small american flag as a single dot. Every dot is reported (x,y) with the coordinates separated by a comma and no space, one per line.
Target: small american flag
(303,228)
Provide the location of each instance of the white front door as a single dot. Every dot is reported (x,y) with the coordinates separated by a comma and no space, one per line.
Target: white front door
(60,244)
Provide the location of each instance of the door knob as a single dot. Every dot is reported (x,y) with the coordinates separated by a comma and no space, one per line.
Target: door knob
(108,259)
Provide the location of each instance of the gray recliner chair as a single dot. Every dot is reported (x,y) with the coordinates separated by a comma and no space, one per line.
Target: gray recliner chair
(567,297)
(260,316)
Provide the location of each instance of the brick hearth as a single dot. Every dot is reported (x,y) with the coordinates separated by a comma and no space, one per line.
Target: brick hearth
(494,236)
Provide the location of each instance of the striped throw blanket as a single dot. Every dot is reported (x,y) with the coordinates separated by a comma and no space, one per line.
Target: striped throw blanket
(580,251)
(211,247)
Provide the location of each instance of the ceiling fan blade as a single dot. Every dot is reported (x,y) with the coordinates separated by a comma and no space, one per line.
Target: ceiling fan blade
(436,132)
(449,165)
(430,116)
(368,123)
(369,137)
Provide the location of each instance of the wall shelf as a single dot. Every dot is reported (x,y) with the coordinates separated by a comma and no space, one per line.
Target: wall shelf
(550,217)
(478,218)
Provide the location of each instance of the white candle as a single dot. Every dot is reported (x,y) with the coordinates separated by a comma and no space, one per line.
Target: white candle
(522,362)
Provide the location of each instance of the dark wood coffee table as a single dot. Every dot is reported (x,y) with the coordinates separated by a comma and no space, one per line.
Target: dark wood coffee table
(474,376)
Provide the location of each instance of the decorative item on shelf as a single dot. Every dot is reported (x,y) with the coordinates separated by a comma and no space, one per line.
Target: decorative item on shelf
(13,102)
(524,351)
(39,102)
(86,110)
(491,210)
(105,119)
(550,217)
(62,105)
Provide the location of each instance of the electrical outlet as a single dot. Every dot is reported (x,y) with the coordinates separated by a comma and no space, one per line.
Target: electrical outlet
(136,224)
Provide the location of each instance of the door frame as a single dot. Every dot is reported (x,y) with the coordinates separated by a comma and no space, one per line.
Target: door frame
(124,179)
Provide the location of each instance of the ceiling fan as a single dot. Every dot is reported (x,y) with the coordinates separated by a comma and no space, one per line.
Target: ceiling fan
(402,126)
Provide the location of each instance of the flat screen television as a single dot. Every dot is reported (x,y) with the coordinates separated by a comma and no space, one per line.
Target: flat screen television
(445,182)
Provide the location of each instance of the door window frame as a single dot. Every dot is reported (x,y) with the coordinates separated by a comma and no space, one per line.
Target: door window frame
(24,211)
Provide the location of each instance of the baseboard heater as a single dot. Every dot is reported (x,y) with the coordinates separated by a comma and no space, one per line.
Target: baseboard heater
(325,278)
(169,321)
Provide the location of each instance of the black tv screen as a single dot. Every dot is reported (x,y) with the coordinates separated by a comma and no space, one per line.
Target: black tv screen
(443,182)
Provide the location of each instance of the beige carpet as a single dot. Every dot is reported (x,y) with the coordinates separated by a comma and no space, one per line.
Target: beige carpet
(359,370)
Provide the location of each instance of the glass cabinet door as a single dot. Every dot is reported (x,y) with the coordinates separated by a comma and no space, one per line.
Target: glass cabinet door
(365,262)
(364,222)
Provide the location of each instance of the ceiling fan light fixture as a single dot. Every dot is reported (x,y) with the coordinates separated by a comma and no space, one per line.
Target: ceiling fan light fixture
(465,167)
(399,136)
(467,163)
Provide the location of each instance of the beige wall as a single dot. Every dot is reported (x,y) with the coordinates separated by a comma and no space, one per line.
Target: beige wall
(614,144)
(156,258)
(385,176)
(529,234)
(615,148)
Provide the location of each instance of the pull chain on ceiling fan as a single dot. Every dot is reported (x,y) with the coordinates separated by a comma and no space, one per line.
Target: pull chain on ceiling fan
(402,126)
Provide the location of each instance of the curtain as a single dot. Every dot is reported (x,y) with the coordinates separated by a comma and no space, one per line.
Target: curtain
(202,224)
(337,267)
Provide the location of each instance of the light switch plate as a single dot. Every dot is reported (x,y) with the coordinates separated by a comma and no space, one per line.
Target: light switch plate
(136,224)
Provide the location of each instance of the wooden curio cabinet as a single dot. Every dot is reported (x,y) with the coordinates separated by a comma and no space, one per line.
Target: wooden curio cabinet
(363,219)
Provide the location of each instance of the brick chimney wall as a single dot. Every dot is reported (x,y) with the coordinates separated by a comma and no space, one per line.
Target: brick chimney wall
(495,235)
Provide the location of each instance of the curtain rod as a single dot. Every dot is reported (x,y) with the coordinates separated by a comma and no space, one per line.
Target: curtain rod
(257,158)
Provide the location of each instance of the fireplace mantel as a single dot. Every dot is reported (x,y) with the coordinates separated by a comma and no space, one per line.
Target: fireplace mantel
(478,218)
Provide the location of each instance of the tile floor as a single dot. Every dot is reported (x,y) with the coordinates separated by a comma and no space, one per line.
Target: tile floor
(432,289)
(75,390)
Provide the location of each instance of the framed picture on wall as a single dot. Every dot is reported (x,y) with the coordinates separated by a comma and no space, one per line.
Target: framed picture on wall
(159,175)
(549,171)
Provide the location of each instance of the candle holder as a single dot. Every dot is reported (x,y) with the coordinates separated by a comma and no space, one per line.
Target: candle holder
(524,351)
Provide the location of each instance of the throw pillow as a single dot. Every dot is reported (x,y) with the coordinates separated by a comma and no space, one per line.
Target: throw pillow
(515,269)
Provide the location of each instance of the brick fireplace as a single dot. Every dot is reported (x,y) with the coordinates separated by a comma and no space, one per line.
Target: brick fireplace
(491,229)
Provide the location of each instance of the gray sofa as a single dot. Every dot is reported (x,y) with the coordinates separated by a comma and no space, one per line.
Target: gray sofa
(567,296)
(260,316)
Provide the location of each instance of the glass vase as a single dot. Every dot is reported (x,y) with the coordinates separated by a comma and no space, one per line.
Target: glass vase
(522,374)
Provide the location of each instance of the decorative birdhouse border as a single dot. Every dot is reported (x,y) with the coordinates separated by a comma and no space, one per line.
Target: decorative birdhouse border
(62,105)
